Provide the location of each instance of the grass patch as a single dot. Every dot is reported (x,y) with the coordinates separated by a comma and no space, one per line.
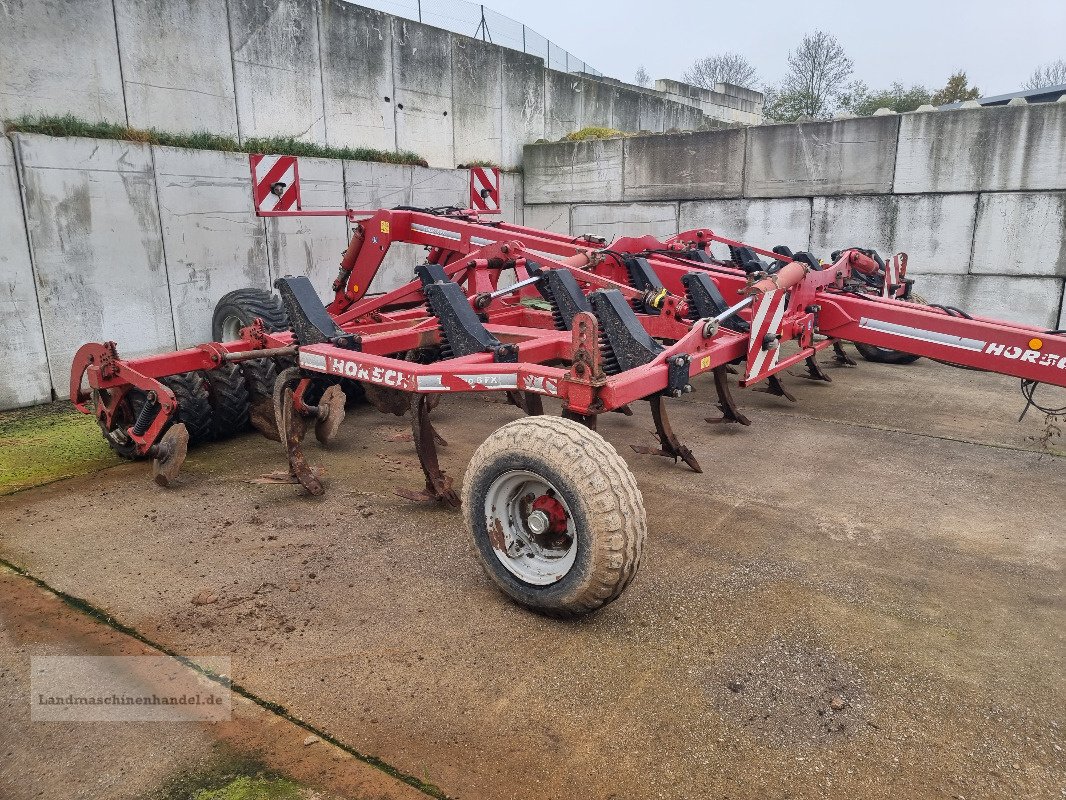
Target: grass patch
(254,788)
(593,132)
(43,444)
(69,125)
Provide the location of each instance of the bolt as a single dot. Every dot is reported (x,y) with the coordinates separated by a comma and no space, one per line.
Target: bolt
(679,361)
(537,522)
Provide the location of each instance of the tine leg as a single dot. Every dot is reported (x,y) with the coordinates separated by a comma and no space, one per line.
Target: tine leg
(669,445)
(589,420)
(533,404)
(623,410)
(841,355)
(815,371)
(776,388)
(726,403)
(438,485)
(291,426)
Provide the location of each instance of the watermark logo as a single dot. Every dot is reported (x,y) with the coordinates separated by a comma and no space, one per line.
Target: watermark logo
(129,689)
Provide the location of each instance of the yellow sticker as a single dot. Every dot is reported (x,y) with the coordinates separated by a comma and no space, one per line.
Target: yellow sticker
(384,226)
(705,362)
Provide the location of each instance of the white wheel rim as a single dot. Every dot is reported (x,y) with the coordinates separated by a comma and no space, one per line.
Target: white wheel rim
(231,328)
(513,529)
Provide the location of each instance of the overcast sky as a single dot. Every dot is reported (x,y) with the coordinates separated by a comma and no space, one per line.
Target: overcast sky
(997,42)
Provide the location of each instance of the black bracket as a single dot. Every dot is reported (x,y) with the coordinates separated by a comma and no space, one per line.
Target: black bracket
(705,300)
(560,289)
(624,344)
(311,323)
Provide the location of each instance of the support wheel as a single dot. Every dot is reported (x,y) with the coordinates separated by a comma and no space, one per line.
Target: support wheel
(194,404)
(556,515)
(240,308)
(229,401)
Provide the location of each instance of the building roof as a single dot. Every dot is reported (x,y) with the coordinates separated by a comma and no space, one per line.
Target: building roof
(1045,94)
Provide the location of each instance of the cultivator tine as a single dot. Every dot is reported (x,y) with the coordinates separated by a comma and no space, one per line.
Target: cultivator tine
(169,454)
(529,402)
(669,445)
(625,411)
(815,371)
(776,388)
(292,427)
(438,485)
(728,406)
(841,356)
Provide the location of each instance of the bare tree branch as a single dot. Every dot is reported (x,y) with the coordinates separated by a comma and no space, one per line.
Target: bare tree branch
(723,68)
(1053,74)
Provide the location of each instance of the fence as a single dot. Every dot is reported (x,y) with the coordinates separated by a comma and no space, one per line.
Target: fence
(473,19)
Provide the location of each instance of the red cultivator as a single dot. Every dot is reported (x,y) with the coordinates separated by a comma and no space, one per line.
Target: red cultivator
(555,512)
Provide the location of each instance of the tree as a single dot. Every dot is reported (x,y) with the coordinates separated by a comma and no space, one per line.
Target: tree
(816,80)
(1053,74)
(956,90)
(723,68)
(641,78)
(859,100)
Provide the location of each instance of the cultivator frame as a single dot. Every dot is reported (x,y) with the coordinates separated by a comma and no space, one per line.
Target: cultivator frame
(595,326)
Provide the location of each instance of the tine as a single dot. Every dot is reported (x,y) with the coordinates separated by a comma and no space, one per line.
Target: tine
(669,445)
(726,403)
(815,371)
(294,427)
(438,484)
(841,355)
(776,388)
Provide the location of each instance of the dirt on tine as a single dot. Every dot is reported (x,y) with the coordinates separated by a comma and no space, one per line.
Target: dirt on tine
(861,597)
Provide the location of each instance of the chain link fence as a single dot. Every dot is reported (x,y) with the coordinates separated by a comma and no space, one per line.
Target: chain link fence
(473,19)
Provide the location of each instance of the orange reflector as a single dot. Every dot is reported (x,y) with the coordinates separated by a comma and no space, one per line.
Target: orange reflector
(1035,344)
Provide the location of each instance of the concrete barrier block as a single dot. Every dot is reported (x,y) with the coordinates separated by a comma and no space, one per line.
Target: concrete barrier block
(478,107)
(652,113)
(93,225)
(553,217)
(853,156)
(763,223)
(625,111)
(1062,313)
(1006,148)
(24,376)
(597,104)
(277,69)
(176,68)
(60,57)
(1029,301)
(523,105)
(311,246)
(1021,234)
(357,88)
(422,71)
(684,166)
(590,171)
(682,117)
(563,104)
(214,242)
(935,231)
(369,185)
(432,188)
(512,208)
(625,219)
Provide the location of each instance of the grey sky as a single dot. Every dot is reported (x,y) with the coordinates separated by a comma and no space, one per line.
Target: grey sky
(997,42)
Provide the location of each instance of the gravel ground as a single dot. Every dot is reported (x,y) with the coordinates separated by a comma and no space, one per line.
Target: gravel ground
(861,597)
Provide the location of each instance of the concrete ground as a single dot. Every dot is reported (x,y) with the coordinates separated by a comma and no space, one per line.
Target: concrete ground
(861,597)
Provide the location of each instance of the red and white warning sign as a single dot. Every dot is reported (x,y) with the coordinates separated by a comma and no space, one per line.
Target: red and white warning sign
(275,183)
(763,344)
(485,189)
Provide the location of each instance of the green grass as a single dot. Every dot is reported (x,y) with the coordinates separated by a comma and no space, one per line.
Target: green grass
(593,133)
(253,788)
(69,125)
(43,444)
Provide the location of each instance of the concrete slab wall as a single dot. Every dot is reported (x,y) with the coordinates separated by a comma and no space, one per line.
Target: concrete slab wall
(628,219)
(1021,234)
(85,81)
(522,115)
(276,67)
(478,105)
(683,167)
(1031,301)
(422,72)
(94,233)
(24,377)
(177,72)
(357,88)
(213,241)
(589,171)
(772,222)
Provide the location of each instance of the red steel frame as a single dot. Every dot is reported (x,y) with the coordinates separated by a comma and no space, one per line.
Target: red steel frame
(565,364)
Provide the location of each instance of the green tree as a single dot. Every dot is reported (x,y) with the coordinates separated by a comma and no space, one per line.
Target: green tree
(859,100)
(956,90)
(818,70)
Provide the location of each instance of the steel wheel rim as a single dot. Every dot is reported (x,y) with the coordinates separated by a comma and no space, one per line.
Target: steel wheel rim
(512,529)
(231,328)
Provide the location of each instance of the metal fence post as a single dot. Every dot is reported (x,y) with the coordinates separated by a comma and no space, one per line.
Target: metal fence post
(523,38)
(419,10)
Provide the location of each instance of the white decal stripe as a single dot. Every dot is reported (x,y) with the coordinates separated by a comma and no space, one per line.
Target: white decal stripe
(262,169)
(760,314)
(313,361)
(922,335)
(271,200)
(477,240)
(453,235)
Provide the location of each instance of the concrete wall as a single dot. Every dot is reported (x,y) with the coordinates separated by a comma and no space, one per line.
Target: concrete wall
(977,198)
(326,71)
(132,243)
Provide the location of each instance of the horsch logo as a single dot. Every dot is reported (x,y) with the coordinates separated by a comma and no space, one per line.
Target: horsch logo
(1031,355)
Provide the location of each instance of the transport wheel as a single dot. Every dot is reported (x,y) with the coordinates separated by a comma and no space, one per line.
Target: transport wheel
(239,308)
(884,355)
(228,396)
(556,515)
(194,404)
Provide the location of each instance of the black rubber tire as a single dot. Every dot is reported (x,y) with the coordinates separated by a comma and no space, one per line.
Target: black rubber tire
(228,394)
(259,376)
(246,305)
(194,404)
(882,355)
(597,486)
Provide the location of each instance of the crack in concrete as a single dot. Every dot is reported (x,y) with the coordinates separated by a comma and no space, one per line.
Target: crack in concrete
(100,615)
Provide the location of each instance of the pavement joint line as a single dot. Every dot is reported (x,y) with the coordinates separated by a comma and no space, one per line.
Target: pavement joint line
(100,615)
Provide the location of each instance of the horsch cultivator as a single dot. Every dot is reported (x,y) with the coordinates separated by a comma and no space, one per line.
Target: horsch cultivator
(555,513)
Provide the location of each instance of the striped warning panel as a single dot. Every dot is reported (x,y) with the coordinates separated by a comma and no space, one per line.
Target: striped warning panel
(895,272)
(766,318)
(275,182)
(485,189)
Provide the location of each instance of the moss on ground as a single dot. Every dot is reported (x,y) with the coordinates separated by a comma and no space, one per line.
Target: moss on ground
(255,788)
(43,444)
(69,125)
